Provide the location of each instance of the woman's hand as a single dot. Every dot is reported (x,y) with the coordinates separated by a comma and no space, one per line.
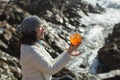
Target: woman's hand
(72,50)
(75,53)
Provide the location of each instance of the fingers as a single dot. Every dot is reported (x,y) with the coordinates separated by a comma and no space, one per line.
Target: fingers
(78,44)
(73,48)
(76,53)
(71,45)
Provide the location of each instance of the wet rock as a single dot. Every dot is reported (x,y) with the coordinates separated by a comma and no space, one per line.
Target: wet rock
(87,76)
(96,9)
(115,34)
(112,75)
(109,54)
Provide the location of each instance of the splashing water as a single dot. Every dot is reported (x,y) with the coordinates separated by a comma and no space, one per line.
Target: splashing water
(99,26)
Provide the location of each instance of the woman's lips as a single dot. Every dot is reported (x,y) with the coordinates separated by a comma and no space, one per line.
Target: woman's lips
(43,31)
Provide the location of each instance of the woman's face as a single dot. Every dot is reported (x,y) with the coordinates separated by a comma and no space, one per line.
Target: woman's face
(40,32)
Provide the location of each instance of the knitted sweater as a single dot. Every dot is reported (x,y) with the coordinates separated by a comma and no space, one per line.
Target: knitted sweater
(37,64)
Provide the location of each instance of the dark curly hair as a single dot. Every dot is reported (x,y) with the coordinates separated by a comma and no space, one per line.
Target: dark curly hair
(28,39)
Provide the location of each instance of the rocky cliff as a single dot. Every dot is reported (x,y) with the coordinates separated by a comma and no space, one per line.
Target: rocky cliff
(109,54)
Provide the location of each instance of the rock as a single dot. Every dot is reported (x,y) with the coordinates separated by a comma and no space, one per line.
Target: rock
(55,11)
(14,15)
(109,54)
(96,9)
(86,76)
(8,73)
(112,75)
(64,72)
(11,15)
(115,35)
(2,16)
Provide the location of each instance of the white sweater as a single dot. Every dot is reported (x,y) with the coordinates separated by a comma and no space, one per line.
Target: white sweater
(37,64)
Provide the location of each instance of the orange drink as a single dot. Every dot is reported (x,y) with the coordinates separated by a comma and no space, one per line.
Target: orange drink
(75,38)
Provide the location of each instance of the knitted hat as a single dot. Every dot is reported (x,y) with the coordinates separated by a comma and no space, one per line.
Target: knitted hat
(29,24)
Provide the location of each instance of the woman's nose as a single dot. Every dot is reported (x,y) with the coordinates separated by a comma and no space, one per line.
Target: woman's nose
(43,28)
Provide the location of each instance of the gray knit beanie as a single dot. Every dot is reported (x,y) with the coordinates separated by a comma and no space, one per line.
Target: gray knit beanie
(29,24)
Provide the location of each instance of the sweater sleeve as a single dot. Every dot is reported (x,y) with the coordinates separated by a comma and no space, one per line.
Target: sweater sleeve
(40,62)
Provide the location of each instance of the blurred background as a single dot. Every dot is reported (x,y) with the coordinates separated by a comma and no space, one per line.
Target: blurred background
(98,21)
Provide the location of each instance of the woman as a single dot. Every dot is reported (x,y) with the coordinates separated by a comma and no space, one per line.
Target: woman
(35,61)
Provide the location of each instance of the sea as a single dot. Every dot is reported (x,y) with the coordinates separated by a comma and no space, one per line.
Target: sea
(99,26)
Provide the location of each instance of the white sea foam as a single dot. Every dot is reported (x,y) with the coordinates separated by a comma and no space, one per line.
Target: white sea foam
(99,25)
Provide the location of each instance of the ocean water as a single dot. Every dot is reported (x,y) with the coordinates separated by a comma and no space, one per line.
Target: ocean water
(98,28)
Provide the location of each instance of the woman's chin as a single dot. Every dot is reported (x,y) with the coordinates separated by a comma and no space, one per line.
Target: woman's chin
(42,37)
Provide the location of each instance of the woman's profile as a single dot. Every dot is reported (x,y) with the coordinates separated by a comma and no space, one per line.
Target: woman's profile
(36,63)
